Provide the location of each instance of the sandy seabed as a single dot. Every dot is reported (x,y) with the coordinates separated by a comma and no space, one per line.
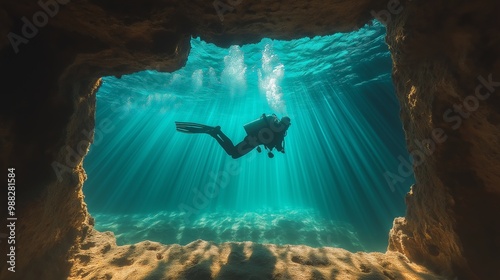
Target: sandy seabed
(100,258)
(297,227)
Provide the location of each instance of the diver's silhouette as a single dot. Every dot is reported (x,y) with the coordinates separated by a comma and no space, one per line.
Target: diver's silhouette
(267,131)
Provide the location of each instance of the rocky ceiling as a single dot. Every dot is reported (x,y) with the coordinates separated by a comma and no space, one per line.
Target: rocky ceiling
(446,73)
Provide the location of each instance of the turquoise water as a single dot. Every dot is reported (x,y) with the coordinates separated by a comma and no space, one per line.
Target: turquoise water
(147,181)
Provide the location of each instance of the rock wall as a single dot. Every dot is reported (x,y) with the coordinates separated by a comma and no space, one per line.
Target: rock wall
(51,67)
(444,54)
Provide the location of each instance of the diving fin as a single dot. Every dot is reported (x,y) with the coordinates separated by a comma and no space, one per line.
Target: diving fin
(188,127)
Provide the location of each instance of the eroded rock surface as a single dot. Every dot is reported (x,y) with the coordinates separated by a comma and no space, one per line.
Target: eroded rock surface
(447,76)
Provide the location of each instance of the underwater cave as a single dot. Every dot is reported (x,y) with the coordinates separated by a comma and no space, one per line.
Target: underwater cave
(391,162)
(330,187)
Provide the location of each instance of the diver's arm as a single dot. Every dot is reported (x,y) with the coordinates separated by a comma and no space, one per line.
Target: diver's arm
(280,147)
(279,143)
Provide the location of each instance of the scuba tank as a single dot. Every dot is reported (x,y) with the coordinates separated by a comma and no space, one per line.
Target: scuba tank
(253,128)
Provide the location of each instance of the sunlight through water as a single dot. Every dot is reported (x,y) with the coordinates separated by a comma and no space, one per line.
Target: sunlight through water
(148,181)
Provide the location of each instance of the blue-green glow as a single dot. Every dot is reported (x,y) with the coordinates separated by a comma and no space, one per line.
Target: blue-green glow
(345,134)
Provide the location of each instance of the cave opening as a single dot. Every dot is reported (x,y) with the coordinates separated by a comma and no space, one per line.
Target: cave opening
(334,186)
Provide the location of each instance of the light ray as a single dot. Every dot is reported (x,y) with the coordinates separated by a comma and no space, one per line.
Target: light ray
(345,134)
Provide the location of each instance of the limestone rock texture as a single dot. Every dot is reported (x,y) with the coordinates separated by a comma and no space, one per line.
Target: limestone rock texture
(53,55)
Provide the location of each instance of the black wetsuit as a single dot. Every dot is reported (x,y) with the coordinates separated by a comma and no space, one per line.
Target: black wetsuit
(270,133)
(271,136)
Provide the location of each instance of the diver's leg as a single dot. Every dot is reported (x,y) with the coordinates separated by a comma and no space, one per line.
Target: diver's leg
(243,148)
(237,151)
(224,141)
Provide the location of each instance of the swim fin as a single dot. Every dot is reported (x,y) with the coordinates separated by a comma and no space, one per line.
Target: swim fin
(188,127)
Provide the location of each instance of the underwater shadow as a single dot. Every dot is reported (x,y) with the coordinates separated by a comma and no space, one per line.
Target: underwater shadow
(259,266)
(158,273)
(199,271)
(56,254)
(124,260)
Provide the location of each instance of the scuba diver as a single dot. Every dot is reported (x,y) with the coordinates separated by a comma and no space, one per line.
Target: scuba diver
(268,130)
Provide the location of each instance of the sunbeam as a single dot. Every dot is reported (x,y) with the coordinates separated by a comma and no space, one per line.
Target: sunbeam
(345,135)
